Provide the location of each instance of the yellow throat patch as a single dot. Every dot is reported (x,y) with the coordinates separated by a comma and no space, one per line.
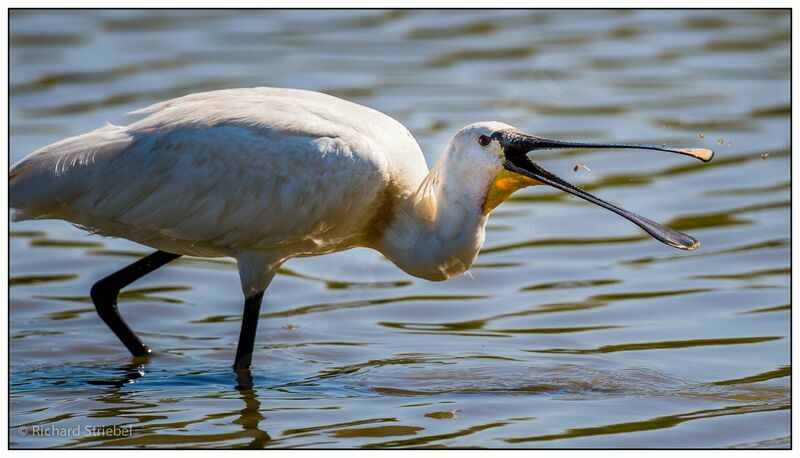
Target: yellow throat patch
(503,185)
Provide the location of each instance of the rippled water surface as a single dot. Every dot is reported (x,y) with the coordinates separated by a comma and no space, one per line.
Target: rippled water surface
(573,329)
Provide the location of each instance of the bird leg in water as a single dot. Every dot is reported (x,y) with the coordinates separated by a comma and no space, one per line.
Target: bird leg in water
(104,295)
(247,336)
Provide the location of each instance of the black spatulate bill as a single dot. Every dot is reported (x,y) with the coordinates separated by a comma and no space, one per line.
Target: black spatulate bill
(516,146)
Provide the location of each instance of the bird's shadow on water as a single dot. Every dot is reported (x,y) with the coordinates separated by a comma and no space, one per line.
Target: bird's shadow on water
(129,392)
(408,378)
(210,406)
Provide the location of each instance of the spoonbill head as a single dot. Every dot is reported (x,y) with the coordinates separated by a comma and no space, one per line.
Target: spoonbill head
(483,164)
(264,175)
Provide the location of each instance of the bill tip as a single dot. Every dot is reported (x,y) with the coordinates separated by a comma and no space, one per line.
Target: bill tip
(704,154)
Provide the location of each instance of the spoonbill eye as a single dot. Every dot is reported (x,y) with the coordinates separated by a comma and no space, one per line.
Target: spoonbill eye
(483,140)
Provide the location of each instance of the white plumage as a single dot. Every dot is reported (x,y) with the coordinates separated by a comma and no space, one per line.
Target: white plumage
(255,173)
(264,175)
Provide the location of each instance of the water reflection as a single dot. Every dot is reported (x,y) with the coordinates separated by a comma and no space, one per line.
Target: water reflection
(123,408)
(250,417)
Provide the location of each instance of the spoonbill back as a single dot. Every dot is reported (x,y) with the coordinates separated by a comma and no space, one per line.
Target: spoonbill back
(264,175)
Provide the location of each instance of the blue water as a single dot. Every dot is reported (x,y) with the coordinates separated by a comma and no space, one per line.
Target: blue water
(573,329)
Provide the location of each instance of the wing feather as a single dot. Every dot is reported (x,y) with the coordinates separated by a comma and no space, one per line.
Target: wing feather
(215,170)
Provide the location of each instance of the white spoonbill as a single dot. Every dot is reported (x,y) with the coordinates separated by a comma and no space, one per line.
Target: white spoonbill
(264,175)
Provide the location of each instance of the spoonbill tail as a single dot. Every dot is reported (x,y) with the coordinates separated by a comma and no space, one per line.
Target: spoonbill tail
(264,175)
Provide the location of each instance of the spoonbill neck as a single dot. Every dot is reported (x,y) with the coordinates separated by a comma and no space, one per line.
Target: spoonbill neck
(437,230)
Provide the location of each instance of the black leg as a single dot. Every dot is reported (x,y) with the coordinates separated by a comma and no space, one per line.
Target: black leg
(104,295)
(247,336)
